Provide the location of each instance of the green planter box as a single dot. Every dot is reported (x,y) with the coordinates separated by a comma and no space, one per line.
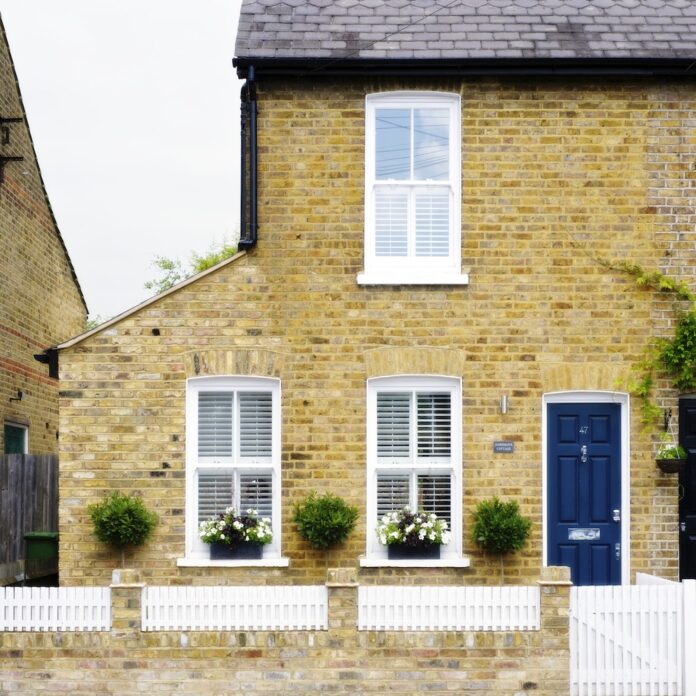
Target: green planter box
(41,546)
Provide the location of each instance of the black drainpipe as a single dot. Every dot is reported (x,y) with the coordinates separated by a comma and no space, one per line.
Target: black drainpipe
(248,236)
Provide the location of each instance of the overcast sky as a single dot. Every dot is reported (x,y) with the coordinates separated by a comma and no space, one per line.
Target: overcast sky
(134,110)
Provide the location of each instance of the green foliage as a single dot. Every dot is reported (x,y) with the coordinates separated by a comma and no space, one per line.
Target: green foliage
(671,451)
(324,520)
(215,254)
(678,356)
(93,322)
(171,271)
(654,280)
(122,520)
(499,527)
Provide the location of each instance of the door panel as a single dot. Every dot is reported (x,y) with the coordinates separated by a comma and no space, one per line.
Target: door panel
(687,491)
(584,490)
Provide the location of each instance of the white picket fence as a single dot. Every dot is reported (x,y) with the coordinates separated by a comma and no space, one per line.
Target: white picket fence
(229,608)
(637,640)
(55,609)
(448,608)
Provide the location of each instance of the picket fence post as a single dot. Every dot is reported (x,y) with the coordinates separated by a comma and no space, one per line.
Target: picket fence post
(689,646)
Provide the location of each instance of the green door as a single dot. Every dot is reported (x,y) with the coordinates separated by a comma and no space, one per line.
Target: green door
(15,439)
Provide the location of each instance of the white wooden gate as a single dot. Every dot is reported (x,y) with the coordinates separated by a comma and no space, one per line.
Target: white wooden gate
(633,640)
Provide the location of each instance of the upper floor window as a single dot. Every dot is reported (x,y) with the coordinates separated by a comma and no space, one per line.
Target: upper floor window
(413,190)
(233,453)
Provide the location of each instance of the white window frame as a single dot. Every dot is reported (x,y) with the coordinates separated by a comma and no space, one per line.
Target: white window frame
(412,270)
(450,553)
(197,553)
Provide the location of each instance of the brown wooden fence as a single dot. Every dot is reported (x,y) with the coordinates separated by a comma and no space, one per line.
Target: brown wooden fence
(28,503)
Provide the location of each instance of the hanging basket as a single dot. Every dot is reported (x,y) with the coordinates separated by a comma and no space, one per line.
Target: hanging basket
(671,466)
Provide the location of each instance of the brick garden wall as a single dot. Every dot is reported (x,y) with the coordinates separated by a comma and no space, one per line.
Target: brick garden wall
(340,660)
(40,302)
(553,176)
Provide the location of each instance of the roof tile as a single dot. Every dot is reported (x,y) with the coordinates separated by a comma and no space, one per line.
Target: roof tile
(467,28)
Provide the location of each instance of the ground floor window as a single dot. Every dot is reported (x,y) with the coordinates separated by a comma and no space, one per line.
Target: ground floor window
(232,453)
(16,438)
(414,451)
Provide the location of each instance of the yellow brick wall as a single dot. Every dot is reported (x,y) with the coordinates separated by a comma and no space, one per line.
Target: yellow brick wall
(40,303)
(553,175)
(340,660)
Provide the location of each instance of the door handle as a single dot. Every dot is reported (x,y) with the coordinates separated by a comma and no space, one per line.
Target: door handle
(617,551)
(583,454)
(617,515)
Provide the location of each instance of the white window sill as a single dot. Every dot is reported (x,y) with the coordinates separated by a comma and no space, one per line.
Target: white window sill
(384,562)
(413,278)
(277,562)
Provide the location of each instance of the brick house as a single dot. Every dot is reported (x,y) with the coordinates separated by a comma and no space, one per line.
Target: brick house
(419,312)
(41,301)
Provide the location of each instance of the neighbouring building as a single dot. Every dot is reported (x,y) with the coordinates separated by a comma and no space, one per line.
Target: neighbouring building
(421,310)
(41,302)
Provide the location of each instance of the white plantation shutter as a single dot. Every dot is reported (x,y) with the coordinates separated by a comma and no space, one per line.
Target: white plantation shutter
(434,425)
(393,425)
(432,223)
(215,493)
(391,222)
(256,493)
(215,424)
(393,493)
(255,424)
(435,495)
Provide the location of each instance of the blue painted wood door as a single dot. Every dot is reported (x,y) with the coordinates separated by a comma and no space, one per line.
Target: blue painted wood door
(584,491)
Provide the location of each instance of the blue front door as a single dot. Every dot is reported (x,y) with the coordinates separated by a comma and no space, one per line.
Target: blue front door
(584,491)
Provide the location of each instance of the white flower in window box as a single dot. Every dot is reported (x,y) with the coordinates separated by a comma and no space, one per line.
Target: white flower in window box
(233,535)
(413,534)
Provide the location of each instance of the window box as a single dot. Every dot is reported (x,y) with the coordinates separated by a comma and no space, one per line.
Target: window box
(398,552)
(243,550)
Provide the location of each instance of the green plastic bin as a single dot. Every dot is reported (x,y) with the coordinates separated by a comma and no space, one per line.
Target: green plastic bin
(41,546)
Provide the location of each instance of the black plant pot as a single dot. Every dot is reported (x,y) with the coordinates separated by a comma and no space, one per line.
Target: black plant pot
(243,550)
(398,552)
(671,466)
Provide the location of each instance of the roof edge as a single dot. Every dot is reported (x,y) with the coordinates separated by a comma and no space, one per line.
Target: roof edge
(469,67)
(146,303)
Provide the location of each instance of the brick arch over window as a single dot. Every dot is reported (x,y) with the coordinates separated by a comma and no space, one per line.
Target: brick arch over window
(237,361)
(414,361)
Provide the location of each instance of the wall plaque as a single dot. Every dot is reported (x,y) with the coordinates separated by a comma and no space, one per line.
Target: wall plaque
(505,446)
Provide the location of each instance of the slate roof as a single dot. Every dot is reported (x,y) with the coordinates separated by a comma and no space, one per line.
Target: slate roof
(466,29)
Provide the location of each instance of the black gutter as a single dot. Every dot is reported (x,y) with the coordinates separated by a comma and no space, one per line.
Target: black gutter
(315,68)
(248,236)
(49,357)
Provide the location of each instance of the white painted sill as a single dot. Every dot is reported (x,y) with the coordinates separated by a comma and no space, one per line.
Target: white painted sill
(384,562)
(278,562)
(413,278)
